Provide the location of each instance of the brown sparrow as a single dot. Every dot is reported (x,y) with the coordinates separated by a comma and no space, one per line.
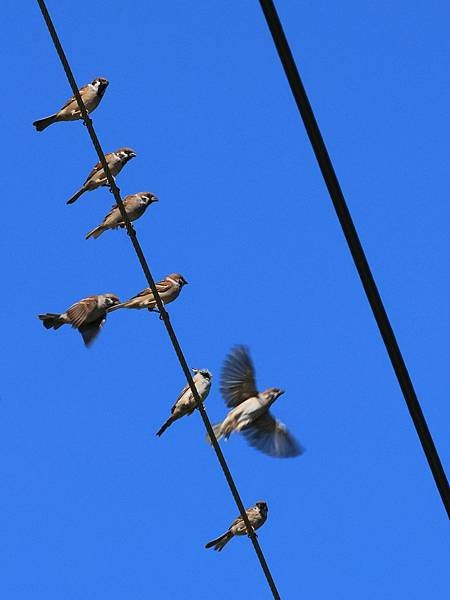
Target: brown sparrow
(257,516)
(91,94)
(135,206)
(87,315)
(168,289)
(97,177)
(250,409)
(185,403)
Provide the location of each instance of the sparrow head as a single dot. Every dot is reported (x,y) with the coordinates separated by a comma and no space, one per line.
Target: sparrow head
(272,394)
(204,372)
(125,154)
(111,300)
(177,278)
(147,198)
(264,509)
(100,84)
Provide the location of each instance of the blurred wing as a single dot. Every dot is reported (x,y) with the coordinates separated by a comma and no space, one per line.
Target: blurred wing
(271,437)
(90,331)
(80,311)
(237,382)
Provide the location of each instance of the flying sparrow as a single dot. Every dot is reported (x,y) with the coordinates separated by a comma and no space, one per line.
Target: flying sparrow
(168,289)
(250,409)
(91,94)
(96,178)
(87,315)
(185,403)
(257,516)
(135,206)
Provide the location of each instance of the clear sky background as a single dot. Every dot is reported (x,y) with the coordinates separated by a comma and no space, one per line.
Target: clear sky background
(93,504)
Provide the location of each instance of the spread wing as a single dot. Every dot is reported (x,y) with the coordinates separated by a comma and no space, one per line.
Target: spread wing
(80,311)
(89,331)
(272,437)
(237,381)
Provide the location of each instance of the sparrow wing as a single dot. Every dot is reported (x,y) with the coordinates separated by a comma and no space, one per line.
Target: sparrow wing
(271,437)
(237,381)
(89,331)
(72,99)
(79,312)
(180,395)
(94,171)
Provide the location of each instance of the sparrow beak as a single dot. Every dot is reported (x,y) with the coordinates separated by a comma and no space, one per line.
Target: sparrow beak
(155,199)
(132,154)
(280,392)
(195,370)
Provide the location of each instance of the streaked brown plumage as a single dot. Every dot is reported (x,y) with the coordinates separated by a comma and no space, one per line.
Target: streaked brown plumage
(97,178)
(257,516)
(87,315)
(168,289)
(91,94)
(135,206)
(185,403)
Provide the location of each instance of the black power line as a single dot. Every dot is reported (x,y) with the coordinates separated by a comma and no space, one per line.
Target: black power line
(356,249)
(163,313)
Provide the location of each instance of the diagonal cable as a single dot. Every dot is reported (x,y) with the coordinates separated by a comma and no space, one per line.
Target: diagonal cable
(164,315)
(356,249)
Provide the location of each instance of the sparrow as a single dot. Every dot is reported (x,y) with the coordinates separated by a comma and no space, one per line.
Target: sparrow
(257,516)
(87,315)
(96,178)
(250,412)
(185,403)
(168,289)
(91,94)
(135,206)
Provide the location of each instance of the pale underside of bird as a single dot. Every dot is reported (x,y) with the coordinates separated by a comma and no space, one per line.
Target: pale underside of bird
(135,205)
(97,177)
(87,315)
(168,290)
(185,403)
(257,516)
(91,94)
(250,412)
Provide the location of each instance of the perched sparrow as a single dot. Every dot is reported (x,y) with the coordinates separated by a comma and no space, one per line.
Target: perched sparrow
(87,315)
(168,290)
(96,178)
(250,409)
(257,516)
(91,94)
(135,206)
(185,403)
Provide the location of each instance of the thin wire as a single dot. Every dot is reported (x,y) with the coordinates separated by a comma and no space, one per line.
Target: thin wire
(356,249)
(163,313)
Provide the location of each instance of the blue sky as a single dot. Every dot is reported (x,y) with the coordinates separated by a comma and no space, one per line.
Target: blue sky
(93,504)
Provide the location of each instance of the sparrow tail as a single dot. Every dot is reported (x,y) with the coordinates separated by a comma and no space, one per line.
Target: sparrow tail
(97,232)
(76,196)
(51,320)
(116,306)
(217,433)
(220,542)
(167,424)
(42,124)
